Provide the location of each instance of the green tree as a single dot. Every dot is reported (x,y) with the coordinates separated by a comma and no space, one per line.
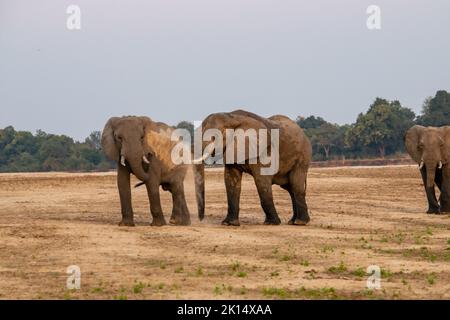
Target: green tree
(310,122)
(436,110)
(382,127)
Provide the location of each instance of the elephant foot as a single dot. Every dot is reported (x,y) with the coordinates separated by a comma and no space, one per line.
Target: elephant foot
(233,222)
(434,211)
(158,222)
(275,221)
(179,220)
(299,221)
(444,209)
(126,223)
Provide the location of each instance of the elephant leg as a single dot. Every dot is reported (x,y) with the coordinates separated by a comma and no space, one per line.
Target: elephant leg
(123,184)
(445,189)
(433,205)
(264,187)
(288,188)
(155,203)
(233,179)
(180,211)
(297,180)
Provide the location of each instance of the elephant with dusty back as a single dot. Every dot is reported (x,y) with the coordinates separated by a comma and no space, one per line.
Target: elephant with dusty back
(143,147)
(430,148)
(294,158)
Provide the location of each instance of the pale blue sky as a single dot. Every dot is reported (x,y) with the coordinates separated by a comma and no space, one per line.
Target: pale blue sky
(183,59)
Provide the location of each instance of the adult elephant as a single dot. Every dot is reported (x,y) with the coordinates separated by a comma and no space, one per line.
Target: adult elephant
(430,148)
(142,147)
(294,159)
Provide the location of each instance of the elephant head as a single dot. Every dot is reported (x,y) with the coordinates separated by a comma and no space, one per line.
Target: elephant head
(429,147)
(228,126)
(123,140)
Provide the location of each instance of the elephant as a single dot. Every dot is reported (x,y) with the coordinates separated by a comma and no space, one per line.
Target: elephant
(295,154)
(430,148)
(142,147)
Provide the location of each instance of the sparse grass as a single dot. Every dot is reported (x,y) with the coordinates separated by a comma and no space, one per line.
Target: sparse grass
(429,231)
(97,290)
(121,297)
(138,287)
(339,269)
(159,286)
(286,257)
(199,272)
(235,266)
(385,273)
(179,270)
(304,263)
(284,293)
(242,274)
(320,293)
(327,249)
(431,278)
(359,272)
(278,292)
(274,274)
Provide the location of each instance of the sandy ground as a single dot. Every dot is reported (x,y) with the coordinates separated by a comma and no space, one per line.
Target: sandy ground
(359,217)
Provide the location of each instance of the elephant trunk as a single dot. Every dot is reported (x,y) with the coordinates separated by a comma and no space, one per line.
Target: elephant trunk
(138,169)
(431,171)
(199,176)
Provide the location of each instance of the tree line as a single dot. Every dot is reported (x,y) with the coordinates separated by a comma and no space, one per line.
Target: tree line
(376,133)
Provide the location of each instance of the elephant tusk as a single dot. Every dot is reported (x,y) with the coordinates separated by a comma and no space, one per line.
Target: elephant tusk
(144,158)
(122,161)
(440,164)
(421,165)
(206,154)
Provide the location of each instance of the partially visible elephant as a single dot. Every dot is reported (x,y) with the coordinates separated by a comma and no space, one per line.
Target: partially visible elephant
(430,148)
(294,159)
(142,147)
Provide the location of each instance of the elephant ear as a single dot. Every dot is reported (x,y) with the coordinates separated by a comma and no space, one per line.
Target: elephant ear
(446,147)
(108,142)
(251,124)
(412,137)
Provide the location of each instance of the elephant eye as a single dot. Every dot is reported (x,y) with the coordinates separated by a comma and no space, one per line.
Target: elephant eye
(420,146)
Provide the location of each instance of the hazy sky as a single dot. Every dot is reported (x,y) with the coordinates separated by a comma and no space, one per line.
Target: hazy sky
(183,59)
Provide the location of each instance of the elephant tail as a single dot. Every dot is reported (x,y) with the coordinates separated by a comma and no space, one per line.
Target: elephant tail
(199,177)
(137,185)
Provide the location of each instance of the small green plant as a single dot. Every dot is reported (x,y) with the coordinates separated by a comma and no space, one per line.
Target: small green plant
(286,257)
(218,290)
(327,248)
(160,285)
(339,269)
(138,287)
(179,270)
(97,290)
(304,263)
(235,265)
(431,278)
(278,292)
(199,272)
(429,231)
(360,272)
(274,274)
(241,274)
(385,273)
(121,297)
